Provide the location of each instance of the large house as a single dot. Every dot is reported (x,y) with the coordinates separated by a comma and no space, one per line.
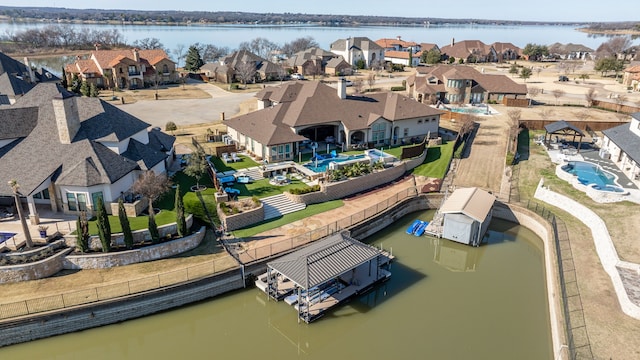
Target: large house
(398,44)
(311,62)
(67,151)
(506,51)
(470,51)
(631,77)
(459,84)
(623,143)
(297,113)
(124,69)
(570,51)
(406,58)
(16,78)
(233,67)
(354,49)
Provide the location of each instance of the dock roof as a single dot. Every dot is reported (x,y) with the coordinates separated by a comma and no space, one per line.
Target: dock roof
(473,202)
(323,260)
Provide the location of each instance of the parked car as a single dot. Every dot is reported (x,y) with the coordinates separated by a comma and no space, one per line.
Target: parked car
(297,76)
(347,81)
(563,78)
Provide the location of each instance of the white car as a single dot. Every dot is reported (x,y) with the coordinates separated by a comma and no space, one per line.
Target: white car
(297,76)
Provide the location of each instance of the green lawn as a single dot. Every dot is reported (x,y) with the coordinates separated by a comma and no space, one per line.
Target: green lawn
(137,223)
(437,160)
(287,219)
(262,188)
(221,166)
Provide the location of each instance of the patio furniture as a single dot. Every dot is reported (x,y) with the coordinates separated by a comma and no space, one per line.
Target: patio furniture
(225,157)
(235,157)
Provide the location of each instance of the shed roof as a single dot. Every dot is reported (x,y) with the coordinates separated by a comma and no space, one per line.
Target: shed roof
(562,126)
(324,259)
(473,202)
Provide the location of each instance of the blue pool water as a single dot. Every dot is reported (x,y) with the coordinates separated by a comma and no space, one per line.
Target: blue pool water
(469,110)
(4,236)
(589,173)
(321,165)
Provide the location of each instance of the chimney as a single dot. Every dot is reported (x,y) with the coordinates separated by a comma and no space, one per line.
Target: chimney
(32,76)
(342,89)
(136,55)
(66,114)
(399,38)
(222,116)
(348,53)
(453,41)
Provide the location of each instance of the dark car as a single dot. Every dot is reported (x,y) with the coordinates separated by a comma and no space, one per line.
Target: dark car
(563,78)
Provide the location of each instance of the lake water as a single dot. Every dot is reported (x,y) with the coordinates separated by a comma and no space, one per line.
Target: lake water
(443,301)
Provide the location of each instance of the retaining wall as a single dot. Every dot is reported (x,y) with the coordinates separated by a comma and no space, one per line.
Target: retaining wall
(243,219)
(111,312)
(147,253)
(35,270)
(139,236)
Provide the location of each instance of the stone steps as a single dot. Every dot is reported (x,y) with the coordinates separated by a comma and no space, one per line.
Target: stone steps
(278,205)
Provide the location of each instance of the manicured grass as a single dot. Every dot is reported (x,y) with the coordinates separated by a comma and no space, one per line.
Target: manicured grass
(193,205)
(437,160)
(221,166)
(287,219)
(262,188)
(137,223)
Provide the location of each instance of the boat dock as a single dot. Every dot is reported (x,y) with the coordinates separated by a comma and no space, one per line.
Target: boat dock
(434,228)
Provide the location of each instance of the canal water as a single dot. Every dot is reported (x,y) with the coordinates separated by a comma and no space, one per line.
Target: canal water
(443,301)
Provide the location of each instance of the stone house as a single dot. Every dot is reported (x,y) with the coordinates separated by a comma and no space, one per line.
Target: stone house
(358,48)
(471,51)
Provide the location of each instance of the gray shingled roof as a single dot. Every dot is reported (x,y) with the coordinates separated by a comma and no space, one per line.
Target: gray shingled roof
(17,123)
(627,141)
(84,162)
(12,86)
(561,126)
(323,260)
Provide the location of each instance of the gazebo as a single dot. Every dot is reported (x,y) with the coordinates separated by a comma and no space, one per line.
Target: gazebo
(562,128)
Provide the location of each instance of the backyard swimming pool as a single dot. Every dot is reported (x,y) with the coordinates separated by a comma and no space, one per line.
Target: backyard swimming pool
(322,165)
(589,173)
(4,236)
(479,110)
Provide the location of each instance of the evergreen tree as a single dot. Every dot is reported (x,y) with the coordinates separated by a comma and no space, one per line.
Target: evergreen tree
(193,61)
(75,84)
(126,227)
(93,90)
(84,88)
(104,228)
(181,223)
(153,228)
(63,81)
(82,230)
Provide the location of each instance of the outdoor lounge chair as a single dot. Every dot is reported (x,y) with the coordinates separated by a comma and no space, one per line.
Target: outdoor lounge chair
(235,157)
(225,157)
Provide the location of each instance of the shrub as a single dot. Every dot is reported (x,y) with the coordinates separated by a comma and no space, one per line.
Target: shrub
(170,126)
(509,159)
(298,191)
(398,88)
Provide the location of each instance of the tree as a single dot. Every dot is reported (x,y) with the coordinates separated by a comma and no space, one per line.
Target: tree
(299,44)
(153,228)
(467,123)
(82,231)
(607,64)
(148,44)
(193,62)
(371,80)
(584,77)
(431,57)
(525,73)
(151,186)
(63,81)
(590,96)
(93,90)
(360,64)
(582,115)
(538,70)
(452,60)
(75,84)
(126,227)
(211,53)
(620,100)
(23,221)
(104,228)
(533,91)
(535,52)
(259,46)
(358,86)
(181,223)
(84,88)
(246,71)
(197,166)
(513,70)
(546,113)
(170,126)
(178,52)
(558,93)
(614,47)
(514,126)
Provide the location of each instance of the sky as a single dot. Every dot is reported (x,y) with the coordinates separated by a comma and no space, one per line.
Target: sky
(539,10)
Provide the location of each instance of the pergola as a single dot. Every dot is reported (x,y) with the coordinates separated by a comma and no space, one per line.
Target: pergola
(562,128)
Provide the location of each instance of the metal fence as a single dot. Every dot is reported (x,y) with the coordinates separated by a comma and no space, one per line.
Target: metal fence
(247,256)
(111,291)
(579,346)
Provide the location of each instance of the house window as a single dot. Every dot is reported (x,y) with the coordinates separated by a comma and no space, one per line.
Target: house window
(44,194)
(420,121)
(94,198)
(77,201)
(133,70)
(405,132)
(99,81)
(121,70)
(165,69)
(378,132)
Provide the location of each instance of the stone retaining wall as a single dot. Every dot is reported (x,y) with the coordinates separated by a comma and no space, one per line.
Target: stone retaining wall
(147,253)
(240,220)
(35,270)
(132,209)
(111,312)
(139,236)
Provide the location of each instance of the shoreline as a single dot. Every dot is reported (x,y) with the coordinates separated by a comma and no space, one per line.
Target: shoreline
(609,32)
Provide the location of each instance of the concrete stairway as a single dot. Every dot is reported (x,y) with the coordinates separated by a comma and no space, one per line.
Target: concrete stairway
(254,172)
(278,205)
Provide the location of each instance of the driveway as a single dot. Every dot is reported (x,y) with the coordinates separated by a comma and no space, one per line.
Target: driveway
(188,111)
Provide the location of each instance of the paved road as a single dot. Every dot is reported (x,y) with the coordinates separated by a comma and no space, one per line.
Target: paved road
(189,111)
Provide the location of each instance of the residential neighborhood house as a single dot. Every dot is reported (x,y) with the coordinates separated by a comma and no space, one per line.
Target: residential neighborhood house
(295,114)
(631,77)
(398,44)
(358,48)
(460,84)
(67,151)
(310,62)
(623,144)
(124,69)
(470,51)
(570,51)
(506,51)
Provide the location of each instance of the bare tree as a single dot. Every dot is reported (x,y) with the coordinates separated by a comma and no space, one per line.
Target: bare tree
(467,123)
(151,186)
(246,71)
(614,46)
(590,96)
(514,126)
(148,44)
(281,73)
(358,86)
(211,53)
(546,113)
(299,44)
(259,46)
(620,100)
(371,80)
(534,91)
(23,221)
(558,93)
(538,70)
(582,115)
(178,52)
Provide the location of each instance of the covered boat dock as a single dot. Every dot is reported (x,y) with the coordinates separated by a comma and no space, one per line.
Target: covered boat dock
(325,273)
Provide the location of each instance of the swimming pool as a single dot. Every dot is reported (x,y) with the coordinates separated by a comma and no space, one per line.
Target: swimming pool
(4,236)
(471,110)
(589,173)
(322,165)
